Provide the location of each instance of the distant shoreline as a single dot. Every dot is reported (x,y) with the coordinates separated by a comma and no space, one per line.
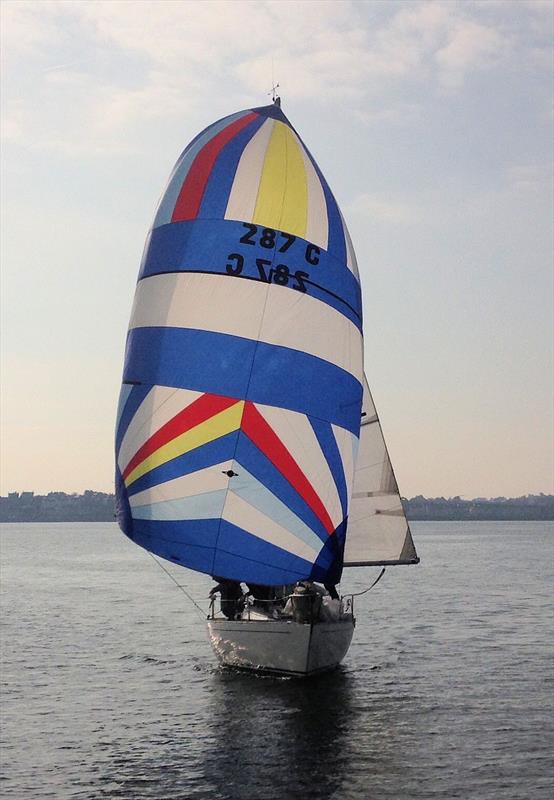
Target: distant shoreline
(100,507)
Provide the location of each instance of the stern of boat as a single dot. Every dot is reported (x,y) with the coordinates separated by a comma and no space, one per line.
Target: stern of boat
(280,646)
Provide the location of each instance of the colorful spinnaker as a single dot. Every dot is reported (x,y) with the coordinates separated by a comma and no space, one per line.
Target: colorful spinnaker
(239,416)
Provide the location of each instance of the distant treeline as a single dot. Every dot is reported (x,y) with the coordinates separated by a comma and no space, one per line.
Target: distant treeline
(99,507)
(529,507)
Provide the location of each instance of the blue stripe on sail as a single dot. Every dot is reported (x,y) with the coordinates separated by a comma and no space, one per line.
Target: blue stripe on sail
(205,245)
(328,566)
(274,112)
(180,171)
(294,380)
(208,505)
(257,495)
(191,359)
(329,447)
(242,556)
(239,555)
(220,182)
(122,508)
(268,475)
(207,455)
(134,399)
(204,131)
(187,542)
(123,397)
(235,367)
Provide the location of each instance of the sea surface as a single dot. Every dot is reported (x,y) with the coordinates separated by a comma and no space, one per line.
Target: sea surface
(111,689)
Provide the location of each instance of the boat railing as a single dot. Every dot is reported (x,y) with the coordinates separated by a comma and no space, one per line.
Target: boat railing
(312,609)
(247,603)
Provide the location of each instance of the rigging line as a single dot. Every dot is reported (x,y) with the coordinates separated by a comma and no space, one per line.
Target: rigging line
(179,586)
(375,582)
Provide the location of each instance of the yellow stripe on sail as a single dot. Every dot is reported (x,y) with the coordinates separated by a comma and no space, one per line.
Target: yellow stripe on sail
(218,425)
(282,201)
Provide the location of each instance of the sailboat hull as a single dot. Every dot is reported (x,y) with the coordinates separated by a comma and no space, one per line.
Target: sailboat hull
(283,647)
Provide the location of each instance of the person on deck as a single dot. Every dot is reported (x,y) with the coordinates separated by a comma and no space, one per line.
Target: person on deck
(332,591)
(232,598)
(261,595)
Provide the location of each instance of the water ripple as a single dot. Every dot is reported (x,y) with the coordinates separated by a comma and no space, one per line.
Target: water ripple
(111,690)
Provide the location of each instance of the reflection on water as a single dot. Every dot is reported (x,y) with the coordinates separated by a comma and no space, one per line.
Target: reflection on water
(258,737)
(267,730)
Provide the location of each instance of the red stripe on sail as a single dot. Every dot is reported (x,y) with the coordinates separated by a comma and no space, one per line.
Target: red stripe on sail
(266,440)
(192,190)
(206,406)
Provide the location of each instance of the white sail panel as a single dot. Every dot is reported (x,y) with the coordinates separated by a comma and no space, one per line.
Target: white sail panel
(207,505)
(161,404)
(347,444)
(210,479)
(378,531)
(201,302)
(276,314)
(317,225)
(351,261)
(242,198)
(244,515)
(304,323)
(253,492)
(296,433)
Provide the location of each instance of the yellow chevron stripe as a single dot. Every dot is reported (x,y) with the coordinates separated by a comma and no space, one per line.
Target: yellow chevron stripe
(215,427)
(282,201)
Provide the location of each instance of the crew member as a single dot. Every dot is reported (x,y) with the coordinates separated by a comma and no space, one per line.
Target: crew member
(232,598)
(332,591)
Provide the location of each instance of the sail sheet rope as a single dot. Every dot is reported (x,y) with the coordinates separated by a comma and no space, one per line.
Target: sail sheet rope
(375,582)
(180,586)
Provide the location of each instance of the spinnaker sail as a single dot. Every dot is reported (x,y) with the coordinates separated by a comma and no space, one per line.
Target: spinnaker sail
(240,409)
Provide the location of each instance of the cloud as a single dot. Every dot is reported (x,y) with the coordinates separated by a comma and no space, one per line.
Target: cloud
(470,46)
(396,113)
(528,177)
(27,29)
(93,76)
(376,208)
(77,116)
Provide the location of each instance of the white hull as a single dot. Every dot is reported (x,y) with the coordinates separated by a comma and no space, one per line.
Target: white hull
(280,646)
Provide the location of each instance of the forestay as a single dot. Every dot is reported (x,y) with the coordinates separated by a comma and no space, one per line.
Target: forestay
(378,532)
(242,388)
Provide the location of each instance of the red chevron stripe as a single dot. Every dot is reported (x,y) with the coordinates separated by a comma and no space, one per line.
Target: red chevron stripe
(266,440)
(192,190)
(198,411)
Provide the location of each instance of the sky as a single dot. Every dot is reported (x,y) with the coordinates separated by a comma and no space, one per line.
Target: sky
(432,122)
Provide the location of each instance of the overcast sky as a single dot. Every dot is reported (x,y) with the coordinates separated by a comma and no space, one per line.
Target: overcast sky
(432,122)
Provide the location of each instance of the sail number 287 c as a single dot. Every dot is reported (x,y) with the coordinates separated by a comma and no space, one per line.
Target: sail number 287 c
(279,242)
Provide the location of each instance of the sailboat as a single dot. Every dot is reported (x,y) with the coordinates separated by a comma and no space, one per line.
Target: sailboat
(248,446)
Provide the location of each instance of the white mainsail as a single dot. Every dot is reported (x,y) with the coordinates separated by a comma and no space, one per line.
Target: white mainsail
(378,531)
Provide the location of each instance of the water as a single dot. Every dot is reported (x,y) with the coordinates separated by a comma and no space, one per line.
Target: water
(111,690)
